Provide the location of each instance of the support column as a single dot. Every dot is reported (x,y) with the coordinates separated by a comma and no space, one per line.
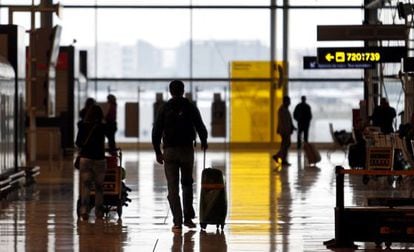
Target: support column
(285,46)
(371,79)
(46,18)
(408,81)
(409,100)
(272,69)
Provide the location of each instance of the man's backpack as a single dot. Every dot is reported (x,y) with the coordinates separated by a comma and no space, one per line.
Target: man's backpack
(178,124)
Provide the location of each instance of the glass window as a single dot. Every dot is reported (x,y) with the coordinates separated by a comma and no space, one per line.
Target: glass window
(132,42)
(329,105)
(19,2)
(20,18)
(303,39)
(145,94)
(223,36)
(77,25)
(201,43)
(232,2)
(167,2)
(125,2)
(394,91)
(316,3)
(390,16)
(160,27)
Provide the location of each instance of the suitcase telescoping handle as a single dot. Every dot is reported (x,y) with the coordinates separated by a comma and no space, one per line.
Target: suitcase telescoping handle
(204,158)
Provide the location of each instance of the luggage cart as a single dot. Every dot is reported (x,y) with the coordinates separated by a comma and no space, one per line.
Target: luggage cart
(379,158)
(115,192)
(379,223)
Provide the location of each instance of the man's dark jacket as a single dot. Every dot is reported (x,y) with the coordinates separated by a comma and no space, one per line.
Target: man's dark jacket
(176,124)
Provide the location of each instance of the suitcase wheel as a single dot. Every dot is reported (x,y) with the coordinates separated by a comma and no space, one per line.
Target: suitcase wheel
(220,225)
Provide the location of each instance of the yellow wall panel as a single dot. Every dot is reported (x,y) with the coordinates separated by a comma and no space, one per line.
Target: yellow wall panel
(250,102)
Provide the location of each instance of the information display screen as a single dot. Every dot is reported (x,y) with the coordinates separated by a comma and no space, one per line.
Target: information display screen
(341,55)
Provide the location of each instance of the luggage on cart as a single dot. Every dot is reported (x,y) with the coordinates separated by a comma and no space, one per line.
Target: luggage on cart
(379,158)
(312,154)
(115,192)
(213,198)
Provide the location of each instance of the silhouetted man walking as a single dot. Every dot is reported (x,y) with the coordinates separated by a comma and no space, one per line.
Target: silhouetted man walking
(176,124)
(284,129)
(303,116)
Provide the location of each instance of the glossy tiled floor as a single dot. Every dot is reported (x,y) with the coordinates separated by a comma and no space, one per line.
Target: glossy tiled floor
(270,209)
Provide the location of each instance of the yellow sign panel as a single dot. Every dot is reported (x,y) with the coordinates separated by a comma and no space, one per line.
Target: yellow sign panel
(251,101)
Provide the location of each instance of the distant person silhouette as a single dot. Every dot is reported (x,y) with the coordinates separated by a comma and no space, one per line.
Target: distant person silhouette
(111,121)
(88,103)
(303,117)
(176,124)
(91,143)
(383,116)
(285,129)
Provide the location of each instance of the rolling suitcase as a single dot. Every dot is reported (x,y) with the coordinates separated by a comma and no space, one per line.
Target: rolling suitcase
(311,153)
(213,198)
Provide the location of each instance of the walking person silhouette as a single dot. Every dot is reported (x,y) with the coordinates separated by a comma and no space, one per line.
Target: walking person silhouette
(285,129)
(303,116)
(176,125)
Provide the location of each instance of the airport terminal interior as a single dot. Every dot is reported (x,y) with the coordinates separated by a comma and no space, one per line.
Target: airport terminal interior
(347,187)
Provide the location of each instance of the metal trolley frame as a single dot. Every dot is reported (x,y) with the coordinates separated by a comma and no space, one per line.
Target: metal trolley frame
(114,189)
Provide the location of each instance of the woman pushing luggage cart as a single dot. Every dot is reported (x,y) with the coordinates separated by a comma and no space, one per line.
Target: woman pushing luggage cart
(115,192)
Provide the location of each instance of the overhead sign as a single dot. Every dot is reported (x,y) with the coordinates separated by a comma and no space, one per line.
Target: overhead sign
(361,32)
(311,62)
(343,55)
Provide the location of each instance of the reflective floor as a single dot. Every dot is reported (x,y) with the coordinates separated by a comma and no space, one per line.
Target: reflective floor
(270,208)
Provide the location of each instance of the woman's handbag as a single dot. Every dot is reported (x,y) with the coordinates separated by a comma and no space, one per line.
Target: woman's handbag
(76,163)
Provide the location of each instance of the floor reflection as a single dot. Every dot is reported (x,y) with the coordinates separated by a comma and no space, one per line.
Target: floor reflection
(213,241)
(183,241)
(102,235)
(286,209)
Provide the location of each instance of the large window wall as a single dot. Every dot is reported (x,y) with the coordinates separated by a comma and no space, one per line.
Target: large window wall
(136,47)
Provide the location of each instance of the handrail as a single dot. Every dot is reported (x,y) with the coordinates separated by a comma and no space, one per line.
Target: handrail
(341,239)
(376,172)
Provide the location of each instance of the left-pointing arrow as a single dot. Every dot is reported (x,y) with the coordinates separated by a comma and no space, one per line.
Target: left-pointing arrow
(329,57)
